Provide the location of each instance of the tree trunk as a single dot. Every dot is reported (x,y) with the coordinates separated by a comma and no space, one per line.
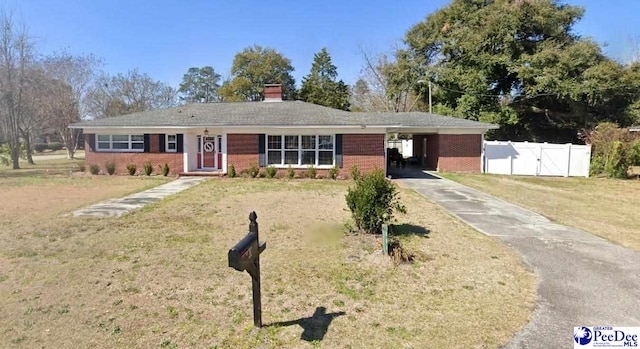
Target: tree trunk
(15,156)
(27,147)
(70,141)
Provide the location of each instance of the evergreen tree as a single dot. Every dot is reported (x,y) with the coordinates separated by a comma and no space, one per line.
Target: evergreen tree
(320,86)
(200,85)
(517,63)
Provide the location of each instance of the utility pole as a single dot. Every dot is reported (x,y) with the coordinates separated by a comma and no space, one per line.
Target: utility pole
(430,112)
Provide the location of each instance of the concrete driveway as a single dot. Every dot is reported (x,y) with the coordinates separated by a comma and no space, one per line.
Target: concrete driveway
(583,280)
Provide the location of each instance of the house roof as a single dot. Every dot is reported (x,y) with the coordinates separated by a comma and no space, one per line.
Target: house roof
(635,128)
(287,113)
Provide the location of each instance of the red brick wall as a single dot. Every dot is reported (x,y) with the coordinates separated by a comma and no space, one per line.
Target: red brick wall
(433,145)
(363,150)
(242,150)
(173,160)
(460,153)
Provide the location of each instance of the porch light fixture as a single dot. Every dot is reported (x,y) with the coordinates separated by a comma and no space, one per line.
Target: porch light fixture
(206,132)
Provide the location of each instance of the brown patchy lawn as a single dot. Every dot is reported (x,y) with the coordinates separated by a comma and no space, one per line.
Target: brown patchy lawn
(159,277)
(601,206)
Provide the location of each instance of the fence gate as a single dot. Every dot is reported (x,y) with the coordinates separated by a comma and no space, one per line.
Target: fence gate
(536,159)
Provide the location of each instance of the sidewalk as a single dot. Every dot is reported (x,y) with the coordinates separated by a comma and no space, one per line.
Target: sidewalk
(583,280)
(121,206)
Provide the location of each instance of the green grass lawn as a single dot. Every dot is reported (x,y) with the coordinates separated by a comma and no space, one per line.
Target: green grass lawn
(159,277)
(601,206)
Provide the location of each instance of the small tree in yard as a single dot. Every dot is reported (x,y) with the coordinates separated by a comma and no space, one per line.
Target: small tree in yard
(373,201)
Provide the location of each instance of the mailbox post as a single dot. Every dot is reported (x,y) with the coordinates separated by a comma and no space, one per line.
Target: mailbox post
(245,255)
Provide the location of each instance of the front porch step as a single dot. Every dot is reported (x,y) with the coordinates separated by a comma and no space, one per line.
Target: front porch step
(201,174)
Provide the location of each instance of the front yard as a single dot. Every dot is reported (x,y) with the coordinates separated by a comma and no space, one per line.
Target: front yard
(601,206)
(159,277)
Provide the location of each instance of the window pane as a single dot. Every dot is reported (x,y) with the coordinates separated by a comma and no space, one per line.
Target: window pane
(137,138)
(274,157)
(120,138)
(170,138)
(275,142)
(325,142)
(308,142)
(325,158)
(170,146)
(104,138)
(122,146)
(291,142)
(103,145)
(291,157)
(137,146)
(308,157)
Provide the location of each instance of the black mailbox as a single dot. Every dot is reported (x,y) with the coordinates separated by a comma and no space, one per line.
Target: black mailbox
(245,252)
(245,255)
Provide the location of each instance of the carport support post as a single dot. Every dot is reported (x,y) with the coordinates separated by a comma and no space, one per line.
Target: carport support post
(255,275)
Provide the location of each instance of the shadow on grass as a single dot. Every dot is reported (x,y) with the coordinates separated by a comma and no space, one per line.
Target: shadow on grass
(408,229)
(315,327)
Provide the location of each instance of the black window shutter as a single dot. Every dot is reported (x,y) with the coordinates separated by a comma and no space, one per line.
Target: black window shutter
(147,143)
(339,150)
(162,139)
(92,141)
(179,148)
(261,151)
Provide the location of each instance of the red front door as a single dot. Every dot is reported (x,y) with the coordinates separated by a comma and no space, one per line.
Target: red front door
(209,155)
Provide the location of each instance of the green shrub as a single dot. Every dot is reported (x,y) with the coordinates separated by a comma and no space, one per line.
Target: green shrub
(271,172)
(232,171)
(355,173)
(110,166)
(40,147)
(616,165)
(312,172)
(53,146)
(254,171)
(148,168)
(165,169)
(131,168)
(597,165)
(633,154)
(373,201)
(333,172)
(94,169)
(291,173)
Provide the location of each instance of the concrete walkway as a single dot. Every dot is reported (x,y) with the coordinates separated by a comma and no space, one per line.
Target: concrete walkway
(583,280)
(118,207)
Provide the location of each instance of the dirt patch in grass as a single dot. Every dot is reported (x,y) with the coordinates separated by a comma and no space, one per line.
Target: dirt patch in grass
(601,206)
(159,277)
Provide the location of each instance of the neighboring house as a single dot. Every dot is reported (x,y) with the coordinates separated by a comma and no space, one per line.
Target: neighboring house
(634,128)
(208,138)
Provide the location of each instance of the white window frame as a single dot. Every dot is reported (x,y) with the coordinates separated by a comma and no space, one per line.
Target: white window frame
(174,142)
(282,149)
(110,142)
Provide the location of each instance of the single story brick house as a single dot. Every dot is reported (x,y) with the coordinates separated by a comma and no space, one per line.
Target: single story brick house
(208,138)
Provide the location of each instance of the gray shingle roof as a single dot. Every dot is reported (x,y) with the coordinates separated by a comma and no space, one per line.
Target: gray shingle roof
(288,113)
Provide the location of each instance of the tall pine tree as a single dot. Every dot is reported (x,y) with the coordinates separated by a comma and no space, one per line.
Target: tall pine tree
(321,87)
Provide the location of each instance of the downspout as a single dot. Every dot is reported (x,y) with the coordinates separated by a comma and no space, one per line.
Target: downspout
(482,154)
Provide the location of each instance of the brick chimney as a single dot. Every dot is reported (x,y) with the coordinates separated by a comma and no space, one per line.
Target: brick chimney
(272,93)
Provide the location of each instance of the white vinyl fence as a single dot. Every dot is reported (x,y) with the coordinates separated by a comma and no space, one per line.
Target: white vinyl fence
(536,159)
